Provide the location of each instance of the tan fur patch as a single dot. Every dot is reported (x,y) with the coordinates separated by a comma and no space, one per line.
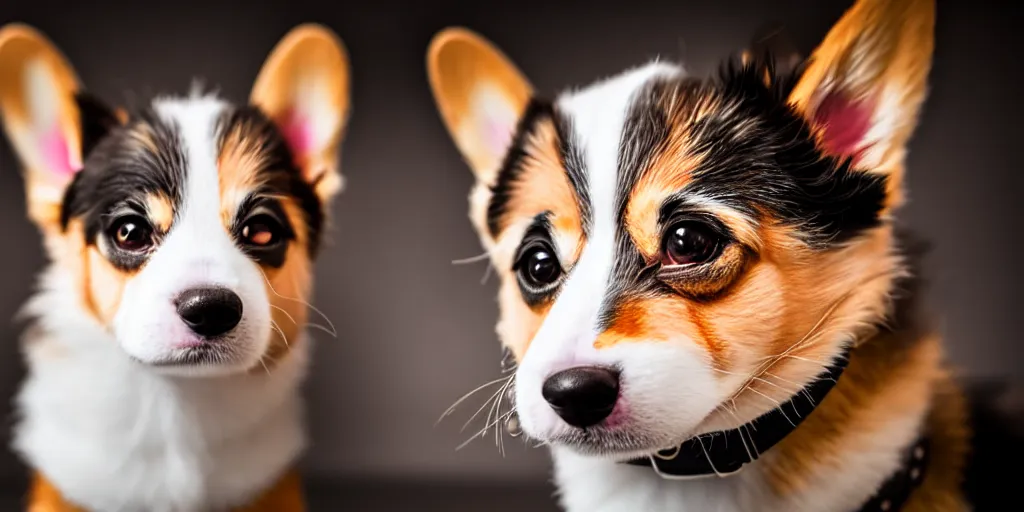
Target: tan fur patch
(239,163)
(160,212)
(100,284)
(519,323)
(543,185)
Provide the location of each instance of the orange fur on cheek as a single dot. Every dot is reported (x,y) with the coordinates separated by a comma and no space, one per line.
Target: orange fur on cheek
(664,319)
(519,323)
(106,285)
(100,284)
(288,289)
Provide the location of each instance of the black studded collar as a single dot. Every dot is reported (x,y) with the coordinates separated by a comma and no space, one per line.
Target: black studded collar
(725,453)
(895,492)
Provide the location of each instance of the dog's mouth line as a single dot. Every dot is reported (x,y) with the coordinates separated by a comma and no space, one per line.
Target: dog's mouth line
(625,441)
(208,354)
(601,441)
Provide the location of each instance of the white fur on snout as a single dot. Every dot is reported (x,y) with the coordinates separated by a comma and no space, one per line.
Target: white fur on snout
(197,252)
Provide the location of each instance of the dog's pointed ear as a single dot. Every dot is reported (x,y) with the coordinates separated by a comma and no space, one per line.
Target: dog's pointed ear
(480,94)
(864,85)
(50,122)
(304,87)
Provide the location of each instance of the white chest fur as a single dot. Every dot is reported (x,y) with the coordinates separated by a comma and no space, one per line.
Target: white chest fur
(114,436)
(587,484)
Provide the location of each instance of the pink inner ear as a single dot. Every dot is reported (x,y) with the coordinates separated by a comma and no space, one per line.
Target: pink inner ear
(297,133)
(498,136)
(844,123)
(56,153)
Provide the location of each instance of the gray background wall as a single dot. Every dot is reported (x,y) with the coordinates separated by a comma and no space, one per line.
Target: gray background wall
(416,332)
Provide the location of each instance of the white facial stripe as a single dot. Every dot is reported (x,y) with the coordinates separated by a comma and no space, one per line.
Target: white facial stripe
(599,114)
(196,120)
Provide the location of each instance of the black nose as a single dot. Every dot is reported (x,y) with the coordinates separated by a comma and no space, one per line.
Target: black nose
(209,312)
(582,396)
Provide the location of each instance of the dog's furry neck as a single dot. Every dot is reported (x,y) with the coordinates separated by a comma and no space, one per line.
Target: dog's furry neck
(112,435)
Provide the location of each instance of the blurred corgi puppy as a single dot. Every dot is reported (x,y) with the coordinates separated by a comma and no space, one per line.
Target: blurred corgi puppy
(167,341)
(701,282)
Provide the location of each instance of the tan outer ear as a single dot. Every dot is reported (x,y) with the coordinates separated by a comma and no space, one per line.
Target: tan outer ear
(879,51)
(460,63)
(304,86)
(50,154)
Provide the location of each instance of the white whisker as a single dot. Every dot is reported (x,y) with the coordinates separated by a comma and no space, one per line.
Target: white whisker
(466,396)
(471,259)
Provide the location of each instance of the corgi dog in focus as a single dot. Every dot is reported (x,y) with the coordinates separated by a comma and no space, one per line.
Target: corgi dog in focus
(708,302)
(166,344)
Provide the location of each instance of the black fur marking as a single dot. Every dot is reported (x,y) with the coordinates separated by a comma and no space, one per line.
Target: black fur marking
(279,174)
(761,155)
(260,206)
(96,119)
(121,171)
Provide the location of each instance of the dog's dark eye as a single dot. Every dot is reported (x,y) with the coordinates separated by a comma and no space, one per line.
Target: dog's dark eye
(689,242)
(538,266)
(132,233)
(261,231)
